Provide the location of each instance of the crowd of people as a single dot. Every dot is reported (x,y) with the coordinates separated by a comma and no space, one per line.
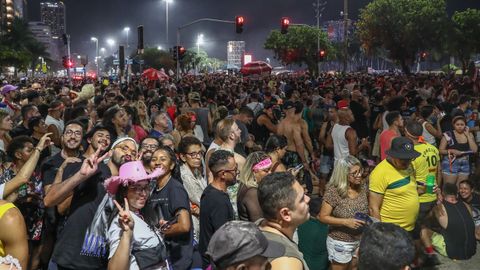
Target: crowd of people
(336,171)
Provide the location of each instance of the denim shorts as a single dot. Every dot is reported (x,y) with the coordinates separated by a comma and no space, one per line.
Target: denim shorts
(459,166)
(326,164)
(341,252)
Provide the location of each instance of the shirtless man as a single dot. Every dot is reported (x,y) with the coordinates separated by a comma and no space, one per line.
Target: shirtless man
(229,133)
(295,129)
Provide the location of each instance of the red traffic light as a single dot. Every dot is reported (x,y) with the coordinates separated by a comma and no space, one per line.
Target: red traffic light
(285,23)
(182,50)
(322,53)
(239,20)
(70,63)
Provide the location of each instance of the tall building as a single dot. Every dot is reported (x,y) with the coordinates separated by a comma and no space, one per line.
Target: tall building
(20,8)
(235,52)
(53,15)
(7,14)
(43,34)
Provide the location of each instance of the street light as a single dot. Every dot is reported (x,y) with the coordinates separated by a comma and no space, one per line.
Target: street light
(166,19)
(102,50)
(111,43)
(126,30)
(200,41)
(94,39)
(159,48)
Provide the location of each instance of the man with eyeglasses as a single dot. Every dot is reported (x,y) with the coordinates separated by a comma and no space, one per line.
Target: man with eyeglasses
(147,147)
(393,188)
(84,182)
(215,206)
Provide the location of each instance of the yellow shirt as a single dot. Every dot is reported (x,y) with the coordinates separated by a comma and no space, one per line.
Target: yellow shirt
(400,198)
(3,209)
(424,165)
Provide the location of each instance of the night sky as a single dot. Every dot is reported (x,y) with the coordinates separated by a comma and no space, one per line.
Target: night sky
(107,18)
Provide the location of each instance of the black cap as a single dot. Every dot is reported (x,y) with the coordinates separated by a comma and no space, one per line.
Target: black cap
(238,241)
(402,148)
(288,105)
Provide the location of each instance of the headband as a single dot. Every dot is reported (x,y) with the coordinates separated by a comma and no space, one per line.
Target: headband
(266,163)
(59,107)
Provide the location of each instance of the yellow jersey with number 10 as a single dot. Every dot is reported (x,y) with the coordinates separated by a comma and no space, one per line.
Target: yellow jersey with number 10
(427,163)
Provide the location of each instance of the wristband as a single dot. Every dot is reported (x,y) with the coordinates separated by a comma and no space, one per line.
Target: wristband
(36,148)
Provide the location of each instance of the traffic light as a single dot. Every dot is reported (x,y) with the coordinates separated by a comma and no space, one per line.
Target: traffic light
(423,56)
(67,62)
(140,39)
(321,55)
(285,23)
(181,52)
(239,24)
(174,52)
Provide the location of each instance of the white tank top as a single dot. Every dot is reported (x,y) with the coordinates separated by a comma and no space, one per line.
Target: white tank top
(427,136)
(340,143)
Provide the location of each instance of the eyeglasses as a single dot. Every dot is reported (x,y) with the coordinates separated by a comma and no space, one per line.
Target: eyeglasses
(234,172)
(356,174)
(76,133)
(138,189)
(150,147)
(195,154)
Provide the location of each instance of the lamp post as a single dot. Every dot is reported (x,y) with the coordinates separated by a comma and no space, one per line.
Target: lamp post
(94,39)
(127,30)
(111,43)
(200,41)
(166,20)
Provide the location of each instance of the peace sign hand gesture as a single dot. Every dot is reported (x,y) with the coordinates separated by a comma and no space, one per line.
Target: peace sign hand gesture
(124,217)
(90,164)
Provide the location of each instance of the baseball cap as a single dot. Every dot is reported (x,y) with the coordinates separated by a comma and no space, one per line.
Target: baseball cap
(194,96)
(288,105)
(8,88)
(238,241)
(402,148)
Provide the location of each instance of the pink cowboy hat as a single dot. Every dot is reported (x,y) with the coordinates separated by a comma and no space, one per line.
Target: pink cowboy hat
(130,173)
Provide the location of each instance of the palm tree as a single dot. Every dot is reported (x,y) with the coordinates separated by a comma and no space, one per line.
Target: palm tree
(19,48)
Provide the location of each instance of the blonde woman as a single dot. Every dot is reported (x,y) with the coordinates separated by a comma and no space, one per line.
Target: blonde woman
(257,166)
(143,115)
(344,199)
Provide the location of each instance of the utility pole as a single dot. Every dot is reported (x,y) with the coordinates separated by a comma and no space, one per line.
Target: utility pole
(319,8)
(345,34)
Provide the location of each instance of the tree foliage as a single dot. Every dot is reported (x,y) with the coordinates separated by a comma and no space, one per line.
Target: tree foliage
(464,39)
(19,48)
(402,27)
(299,46)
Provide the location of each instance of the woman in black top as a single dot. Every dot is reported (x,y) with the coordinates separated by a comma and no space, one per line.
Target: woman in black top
(168,208)
(456,146)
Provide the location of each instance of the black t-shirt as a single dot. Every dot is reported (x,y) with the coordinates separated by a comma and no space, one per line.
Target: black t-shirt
(166,203)
(50,168)
(86,198)
(215,210)
(19,131)
(359,124)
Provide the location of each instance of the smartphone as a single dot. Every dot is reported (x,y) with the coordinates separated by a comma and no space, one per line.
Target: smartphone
(364,217)
(169,223)
(298,167)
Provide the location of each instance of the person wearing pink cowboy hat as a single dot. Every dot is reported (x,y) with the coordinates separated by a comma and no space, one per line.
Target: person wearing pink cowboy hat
(133,244)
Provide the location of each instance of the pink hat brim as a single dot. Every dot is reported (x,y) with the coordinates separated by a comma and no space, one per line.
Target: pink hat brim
(111,184)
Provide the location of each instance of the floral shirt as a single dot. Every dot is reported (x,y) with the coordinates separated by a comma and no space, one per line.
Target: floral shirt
(29,200)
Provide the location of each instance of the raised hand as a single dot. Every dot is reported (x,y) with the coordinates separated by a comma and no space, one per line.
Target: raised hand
(124,217)
(90,164)
(45,141)
(354,223)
